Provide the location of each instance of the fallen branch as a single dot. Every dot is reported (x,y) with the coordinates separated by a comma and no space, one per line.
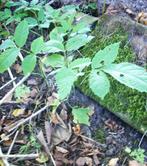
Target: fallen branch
(12,144)
(26,156)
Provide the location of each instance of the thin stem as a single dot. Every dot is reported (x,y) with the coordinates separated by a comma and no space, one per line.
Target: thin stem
(4,159)
(42,72)
(28,52)
(11,76)
(12,144)
(35,33)
(7,83)
(142,139)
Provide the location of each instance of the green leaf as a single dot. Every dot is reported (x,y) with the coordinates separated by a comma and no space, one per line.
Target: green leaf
(81,115)
(88,19)
(34,2)
(55,34)
(67,25)
(81,27)
(53,46)
(29,64)
(7,58)
(99,83)
(67,19)
(65,79)
(32,22)
(76,42)
(37,45)
(129,74)
(54,60)
(41,15)
(7,44)
(21,33)
(80,63)
(45,24)
(105,56)
(4,15)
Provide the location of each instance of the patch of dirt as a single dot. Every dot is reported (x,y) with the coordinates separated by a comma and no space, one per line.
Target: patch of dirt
(115,134)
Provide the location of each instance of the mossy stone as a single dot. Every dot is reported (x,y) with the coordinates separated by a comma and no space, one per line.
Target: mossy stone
(126,103)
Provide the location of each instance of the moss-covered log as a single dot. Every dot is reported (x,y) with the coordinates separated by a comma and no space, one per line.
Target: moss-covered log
(126,103)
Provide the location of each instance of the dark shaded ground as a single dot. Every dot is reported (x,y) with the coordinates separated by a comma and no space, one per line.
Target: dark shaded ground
(122,133)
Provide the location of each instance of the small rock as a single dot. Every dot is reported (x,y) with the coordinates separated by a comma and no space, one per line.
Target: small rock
(113,162)
(135,163)
(109,140)
(111,152)
(32,82)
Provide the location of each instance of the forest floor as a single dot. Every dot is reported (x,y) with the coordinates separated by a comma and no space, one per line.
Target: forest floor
(29,138)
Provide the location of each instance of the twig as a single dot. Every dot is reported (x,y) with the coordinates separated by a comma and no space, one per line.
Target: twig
(99,144)
(20,56)
(12,144)
(7,136)
(53,161)
(26,156)
(7,83)
(27,119)
(43,142)
(142,138)
(4,159)
(13,89)
(11,76)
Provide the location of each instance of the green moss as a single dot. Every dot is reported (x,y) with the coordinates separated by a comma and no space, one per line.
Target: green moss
(99,135)
(125,102)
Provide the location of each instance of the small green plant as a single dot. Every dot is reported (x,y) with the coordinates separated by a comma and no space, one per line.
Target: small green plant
(32,142)
(136,154)
(81,115)
(102,64)
(60,51)
(33,12)
(21,91)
